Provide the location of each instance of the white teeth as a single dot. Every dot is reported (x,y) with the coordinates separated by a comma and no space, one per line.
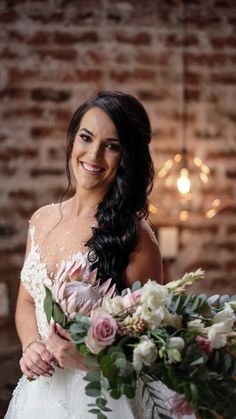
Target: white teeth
(92,168)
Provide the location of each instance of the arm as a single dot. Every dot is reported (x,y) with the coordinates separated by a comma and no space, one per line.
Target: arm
(35,360)
(145,261)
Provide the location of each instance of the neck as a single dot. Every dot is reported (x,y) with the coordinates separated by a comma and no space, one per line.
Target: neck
(85,203)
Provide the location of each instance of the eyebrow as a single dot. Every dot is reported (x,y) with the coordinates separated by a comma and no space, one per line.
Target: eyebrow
(90,133)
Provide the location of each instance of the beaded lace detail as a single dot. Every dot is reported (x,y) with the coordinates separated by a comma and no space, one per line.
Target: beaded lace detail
(34,276)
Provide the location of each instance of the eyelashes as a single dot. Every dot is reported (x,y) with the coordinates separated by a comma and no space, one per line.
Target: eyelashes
(111,146)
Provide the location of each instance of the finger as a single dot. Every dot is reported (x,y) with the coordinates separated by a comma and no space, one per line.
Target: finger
(34,362)
(26,370)
(63,332)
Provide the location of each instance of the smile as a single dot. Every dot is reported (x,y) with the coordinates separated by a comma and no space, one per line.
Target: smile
(92,168)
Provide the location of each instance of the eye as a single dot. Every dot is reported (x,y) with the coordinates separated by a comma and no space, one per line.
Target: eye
(85,138)
(113,147)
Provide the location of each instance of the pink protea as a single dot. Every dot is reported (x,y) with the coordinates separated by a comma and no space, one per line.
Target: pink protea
(78,292)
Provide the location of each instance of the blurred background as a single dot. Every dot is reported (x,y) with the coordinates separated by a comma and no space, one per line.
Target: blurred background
(179,59)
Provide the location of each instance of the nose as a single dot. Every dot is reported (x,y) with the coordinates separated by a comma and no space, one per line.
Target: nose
(95,152)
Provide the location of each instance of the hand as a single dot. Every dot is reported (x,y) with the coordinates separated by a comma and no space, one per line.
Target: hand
(60,344)
(36,361)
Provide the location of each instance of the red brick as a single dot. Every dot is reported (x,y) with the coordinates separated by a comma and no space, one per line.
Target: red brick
(224,78)
(30,112)
(38,38)
(88,75)
(208,60)
(65,38)
(8,54)
(45,132)
(58,54)
(17,75)
(173,40)
(138,74)
(142,38)
(223,41)
(50,94)
(11,153)
(14,93)
(9,16)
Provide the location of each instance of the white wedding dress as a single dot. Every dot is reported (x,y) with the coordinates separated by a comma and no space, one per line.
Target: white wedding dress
(62,396)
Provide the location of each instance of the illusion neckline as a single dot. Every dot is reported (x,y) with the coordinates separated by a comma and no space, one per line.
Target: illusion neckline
(52,276)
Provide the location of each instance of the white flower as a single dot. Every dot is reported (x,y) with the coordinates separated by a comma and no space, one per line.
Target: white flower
(153,295)
(176,343)
(170,319)
(153,318)
(113,305)
(196,325)
(227,317)
(222,325)
(144,353)
(216,337)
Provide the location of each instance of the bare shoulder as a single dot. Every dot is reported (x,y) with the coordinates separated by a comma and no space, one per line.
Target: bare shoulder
(46,216)
(145,261)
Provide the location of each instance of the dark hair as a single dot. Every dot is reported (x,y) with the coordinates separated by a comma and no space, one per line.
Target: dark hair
(127,199)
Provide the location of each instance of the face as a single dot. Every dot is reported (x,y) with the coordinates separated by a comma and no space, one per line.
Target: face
(96,151)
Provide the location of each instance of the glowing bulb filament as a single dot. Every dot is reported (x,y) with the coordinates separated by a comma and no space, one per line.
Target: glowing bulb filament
(183,182)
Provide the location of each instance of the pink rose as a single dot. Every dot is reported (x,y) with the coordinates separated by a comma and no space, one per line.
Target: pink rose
(180,406)
(131,298)
(102,331)
(205,344)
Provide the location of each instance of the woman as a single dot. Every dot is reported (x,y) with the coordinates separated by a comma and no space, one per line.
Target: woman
(103,223)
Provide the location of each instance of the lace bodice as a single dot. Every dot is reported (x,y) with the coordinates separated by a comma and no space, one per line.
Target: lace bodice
(34,276)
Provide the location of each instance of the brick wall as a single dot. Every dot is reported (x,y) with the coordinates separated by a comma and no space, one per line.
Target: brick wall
(54,54)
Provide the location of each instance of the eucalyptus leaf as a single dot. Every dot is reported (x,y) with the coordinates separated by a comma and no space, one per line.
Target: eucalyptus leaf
(213,299)
(136,286)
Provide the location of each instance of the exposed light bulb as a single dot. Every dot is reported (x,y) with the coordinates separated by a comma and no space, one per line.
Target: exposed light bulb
(183,182)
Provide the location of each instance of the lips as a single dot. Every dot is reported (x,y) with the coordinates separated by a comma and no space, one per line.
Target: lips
(92,168)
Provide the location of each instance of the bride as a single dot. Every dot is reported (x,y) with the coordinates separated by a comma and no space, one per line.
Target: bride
(103,225)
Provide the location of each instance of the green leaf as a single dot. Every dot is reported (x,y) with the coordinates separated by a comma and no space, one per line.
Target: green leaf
(197,361)
(101,401)
(101,416)
(194,392)
(48,304)
(94,411)
(93,389)
(175,308)
(58,315)
(93,376)
(115,394)
(129,392)
(195,304)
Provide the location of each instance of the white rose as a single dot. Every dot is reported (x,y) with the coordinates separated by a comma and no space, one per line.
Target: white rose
(153,295)
(196,325)
(153,318)
(113,305)
(144,353)
(173,320)
(176,343)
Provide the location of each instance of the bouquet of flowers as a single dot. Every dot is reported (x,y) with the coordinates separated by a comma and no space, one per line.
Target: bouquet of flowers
(150,333)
